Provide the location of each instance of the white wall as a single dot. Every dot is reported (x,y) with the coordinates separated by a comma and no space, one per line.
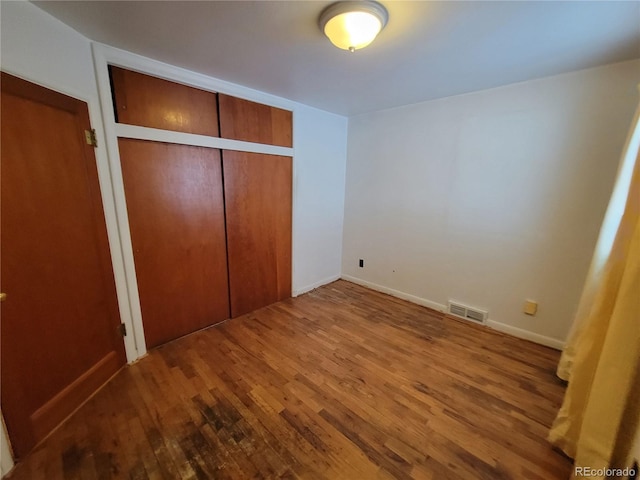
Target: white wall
(38,47)
(320,138)
(489,198)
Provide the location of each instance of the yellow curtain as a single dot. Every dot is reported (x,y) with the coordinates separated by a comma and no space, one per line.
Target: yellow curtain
(598,420)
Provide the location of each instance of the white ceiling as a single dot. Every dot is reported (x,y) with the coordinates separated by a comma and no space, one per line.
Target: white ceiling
(428,49)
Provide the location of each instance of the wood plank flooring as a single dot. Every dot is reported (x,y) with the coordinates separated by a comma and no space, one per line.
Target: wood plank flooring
(340,383)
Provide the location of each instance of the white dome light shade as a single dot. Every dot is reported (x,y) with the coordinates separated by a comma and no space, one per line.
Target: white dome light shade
(353,25)
(352,30)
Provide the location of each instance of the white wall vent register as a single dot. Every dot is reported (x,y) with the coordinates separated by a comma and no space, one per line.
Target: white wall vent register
(466,312)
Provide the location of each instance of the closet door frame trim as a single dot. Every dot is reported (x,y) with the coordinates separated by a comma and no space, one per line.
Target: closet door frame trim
(103,56)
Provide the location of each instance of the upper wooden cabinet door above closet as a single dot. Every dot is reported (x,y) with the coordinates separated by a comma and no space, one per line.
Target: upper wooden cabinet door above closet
(253,122)
(152,102)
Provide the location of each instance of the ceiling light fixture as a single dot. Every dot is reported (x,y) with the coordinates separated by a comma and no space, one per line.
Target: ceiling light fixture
(353,25)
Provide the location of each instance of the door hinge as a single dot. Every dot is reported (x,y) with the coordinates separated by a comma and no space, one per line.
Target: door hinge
(90,137)
(122,329)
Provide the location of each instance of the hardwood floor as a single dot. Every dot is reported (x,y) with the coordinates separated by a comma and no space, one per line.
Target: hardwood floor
(340,383)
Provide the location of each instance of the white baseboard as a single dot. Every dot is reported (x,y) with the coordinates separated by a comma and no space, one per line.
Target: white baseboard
(501,327)
(397,293)
(315,285)
(526,334)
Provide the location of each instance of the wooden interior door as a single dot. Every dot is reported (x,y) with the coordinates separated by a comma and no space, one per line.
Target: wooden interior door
(257,190)
(176,217)
(59,335)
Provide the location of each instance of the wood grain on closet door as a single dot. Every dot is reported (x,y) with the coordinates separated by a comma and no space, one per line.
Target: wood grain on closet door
(258,205)
(153,102)
(176,217)
(254,122)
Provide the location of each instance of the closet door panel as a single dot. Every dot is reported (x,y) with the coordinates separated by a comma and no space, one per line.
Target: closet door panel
(176,217)
(153,102)
(253,122)
(258,205)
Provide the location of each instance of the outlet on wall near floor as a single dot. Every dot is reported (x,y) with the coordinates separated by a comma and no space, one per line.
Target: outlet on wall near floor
(361,263)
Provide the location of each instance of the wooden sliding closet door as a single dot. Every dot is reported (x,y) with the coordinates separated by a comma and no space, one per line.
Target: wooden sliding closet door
(257,190)
(176,216)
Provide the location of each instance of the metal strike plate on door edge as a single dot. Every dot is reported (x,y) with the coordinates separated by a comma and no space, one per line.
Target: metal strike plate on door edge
(3,297)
